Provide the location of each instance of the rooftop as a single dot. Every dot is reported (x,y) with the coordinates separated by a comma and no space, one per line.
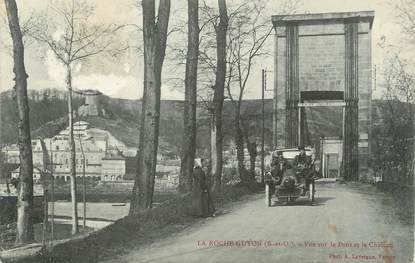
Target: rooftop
(113,154)
(283,19)
(90,92)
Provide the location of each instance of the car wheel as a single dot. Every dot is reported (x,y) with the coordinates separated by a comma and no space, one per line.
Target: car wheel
(267,195)
(311,192)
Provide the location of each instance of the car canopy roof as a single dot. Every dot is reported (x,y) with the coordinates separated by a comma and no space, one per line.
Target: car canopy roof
(290,153)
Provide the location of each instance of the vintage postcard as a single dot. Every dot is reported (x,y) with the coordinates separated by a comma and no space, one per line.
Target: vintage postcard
(207,131)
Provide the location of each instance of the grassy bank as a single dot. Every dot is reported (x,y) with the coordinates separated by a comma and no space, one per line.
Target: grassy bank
(131,232)
(403,199)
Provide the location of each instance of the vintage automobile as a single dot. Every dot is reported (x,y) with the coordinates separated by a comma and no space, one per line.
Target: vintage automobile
(286,182)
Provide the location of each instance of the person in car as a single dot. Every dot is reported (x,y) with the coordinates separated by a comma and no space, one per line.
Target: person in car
(278,165)
(302,160)
(302,164)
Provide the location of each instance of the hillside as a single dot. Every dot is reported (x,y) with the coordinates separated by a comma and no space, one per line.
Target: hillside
(48,117)
(44,108)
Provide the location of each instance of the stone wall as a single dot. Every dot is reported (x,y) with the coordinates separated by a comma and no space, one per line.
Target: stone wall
(321,63)
(321,52)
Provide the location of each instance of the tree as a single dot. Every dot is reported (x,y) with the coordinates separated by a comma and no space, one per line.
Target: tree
(406,12)
(394,137)
(79,41)
(406,17)
(218,96)
(190,101)
(25,195)
(155,38)
(248,31)
(26,25)
(393,132)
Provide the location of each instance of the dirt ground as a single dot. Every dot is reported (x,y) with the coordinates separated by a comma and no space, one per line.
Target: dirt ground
(352,223)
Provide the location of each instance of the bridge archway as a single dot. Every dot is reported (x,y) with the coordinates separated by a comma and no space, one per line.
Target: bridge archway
(324,60)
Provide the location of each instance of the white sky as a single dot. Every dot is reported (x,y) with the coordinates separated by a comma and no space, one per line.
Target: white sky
(122,78)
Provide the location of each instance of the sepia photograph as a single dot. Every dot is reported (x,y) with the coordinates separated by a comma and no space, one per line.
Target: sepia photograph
(178,131)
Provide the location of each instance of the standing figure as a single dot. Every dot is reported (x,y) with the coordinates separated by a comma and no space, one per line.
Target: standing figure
(202,204)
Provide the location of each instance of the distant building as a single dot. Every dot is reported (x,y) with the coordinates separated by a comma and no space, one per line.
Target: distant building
(106,157)
(103,153)
(331,150)
(113,166)
(37,174)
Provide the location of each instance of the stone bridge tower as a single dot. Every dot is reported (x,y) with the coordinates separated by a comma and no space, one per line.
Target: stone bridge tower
(324,60)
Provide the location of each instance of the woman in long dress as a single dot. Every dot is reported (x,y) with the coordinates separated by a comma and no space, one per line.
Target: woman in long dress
(202,203)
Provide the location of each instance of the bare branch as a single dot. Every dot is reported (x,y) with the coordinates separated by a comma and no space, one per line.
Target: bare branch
(80,38)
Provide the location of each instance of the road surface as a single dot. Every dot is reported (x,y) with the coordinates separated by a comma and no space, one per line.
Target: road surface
(336,229)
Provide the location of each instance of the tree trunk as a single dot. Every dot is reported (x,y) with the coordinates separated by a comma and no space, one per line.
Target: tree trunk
(239,141)
(216,129)
(252,159)
(72,161)
(251,145)
(155,37)
(189,114)
(213,152)
(25,232)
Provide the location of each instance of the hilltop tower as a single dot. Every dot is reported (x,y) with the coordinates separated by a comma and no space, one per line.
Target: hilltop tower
(92,105)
